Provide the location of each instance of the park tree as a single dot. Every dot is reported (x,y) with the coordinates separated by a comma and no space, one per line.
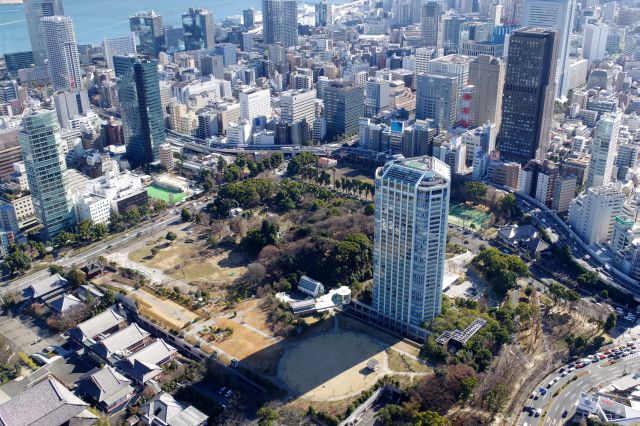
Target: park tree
(475,190)
(466,387)
(171,236)
(391,414)
(267,416)
(185,215)
(430,418)
(497,399)
(610,323)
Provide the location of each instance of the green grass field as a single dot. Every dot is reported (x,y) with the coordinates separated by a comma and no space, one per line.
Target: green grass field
(466,216)
(164,194)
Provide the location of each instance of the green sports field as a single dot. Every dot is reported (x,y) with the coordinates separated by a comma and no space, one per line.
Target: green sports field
(464,215)
(168,196)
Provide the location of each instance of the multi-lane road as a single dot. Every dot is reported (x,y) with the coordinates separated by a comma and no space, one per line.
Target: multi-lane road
(91,253)
(569,389)
(547,218)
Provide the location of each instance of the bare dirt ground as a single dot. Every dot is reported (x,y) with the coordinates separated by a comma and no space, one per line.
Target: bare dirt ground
(162,310)
(192,261)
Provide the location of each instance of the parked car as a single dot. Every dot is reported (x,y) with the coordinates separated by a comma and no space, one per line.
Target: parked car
(538,412)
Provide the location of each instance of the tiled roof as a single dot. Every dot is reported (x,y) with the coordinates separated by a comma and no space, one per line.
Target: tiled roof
(46,403)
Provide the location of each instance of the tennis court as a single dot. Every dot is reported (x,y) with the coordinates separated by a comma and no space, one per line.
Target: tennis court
(167,195)
(468,216)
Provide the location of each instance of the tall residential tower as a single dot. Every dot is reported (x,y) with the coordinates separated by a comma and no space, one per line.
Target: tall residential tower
(412,205)
(62,52)
(34,10)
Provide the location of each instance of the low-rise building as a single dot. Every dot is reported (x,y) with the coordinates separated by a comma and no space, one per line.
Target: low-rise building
(310,286)
(48,402)
(46,288)
(164,410)
(97,328)
(107,389)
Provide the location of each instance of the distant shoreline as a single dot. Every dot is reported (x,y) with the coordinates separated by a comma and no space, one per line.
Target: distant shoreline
(8,2)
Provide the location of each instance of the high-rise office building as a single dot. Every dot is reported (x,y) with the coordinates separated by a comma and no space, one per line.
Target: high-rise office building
(487,74)
(556,15)
(248,18)
(376,96)
(271,19)
(594,44)
(412,204)
(452,66)
(437,99)
(323,13)
(18,60)
(44,161)
(343,107)
(451,24)
(255,103)
(198,29)
(527,103)
(141,108)
(150,32)
(71,104)
(62,52)
(296,105)
(603,150)
(289,23)
(118,46)
(429,23)
(34,10)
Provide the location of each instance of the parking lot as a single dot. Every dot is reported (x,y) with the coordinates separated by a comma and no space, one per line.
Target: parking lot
(68,369)
(26,335)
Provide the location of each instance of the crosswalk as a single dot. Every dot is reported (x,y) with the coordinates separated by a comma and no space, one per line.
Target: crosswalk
(630,356)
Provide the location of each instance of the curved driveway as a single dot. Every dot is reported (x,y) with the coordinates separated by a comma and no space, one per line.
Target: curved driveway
(597,374)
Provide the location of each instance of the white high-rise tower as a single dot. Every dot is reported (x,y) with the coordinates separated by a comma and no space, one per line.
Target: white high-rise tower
(34,10)
(603,149)
(412,205)
(62,52)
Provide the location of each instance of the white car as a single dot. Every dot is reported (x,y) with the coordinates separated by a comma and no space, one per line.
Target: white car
(556,380)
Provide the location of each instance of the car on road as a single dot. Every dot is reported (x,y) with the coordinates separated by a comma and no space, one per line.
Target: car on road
(228,393)
(565,413)
(222,390)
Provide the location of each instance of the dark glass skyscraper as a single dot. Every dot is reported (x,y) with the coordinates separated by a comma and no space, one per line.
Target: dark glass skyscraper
(527,103)
(148,27)
(139,95)
(343,107)
(198,29)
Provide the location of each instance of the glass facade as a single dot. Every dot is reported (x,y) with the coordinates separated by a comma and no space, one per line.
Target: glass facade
(143,120)
(527,104)
(46,171)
